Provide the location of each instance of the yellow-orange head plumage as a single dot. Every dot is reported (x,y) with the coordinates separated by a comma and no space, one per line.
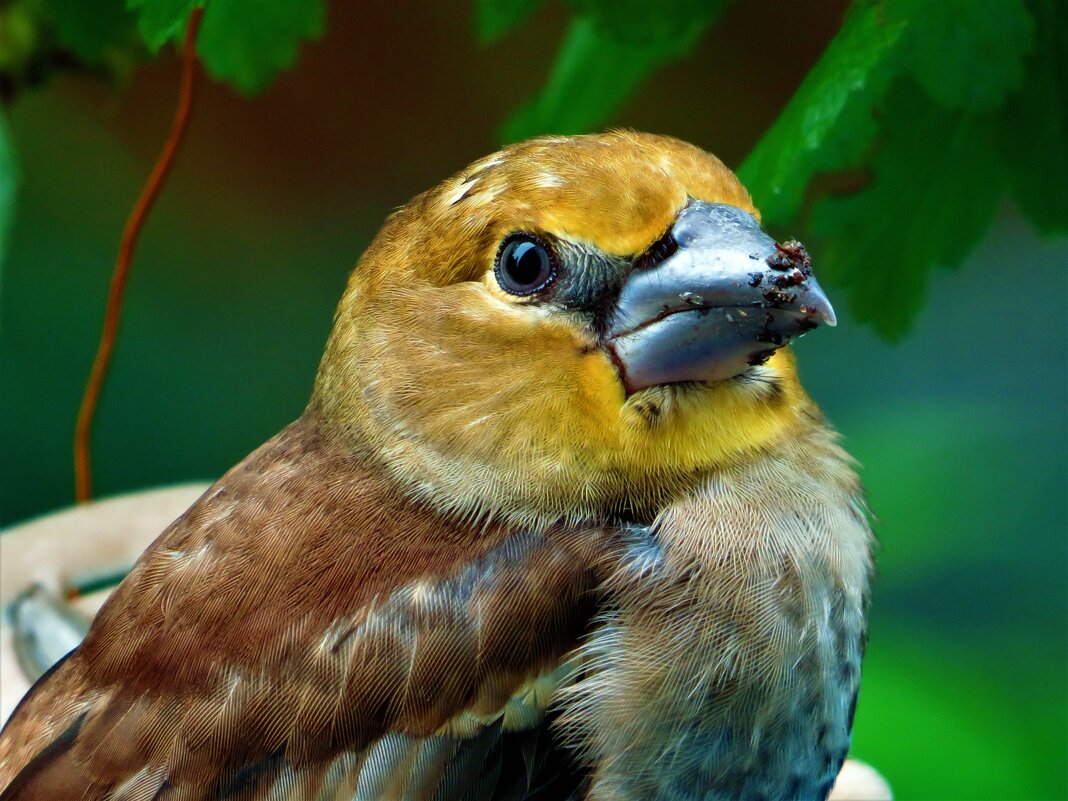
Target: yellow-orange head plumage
(497,402)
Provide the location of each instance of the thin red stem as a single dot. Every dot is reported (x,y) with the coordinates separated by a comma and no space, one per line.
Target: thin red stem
(82,465)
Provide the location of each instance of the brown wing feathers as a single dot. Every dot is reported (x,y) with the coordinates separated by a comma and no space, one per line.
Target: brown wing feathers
(296,614)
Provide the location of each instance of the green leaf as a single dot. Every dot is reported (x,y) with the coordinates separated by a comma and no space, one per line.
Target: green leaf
(161,21)
(1035,126)
(9,178)
(936,184)
(671,26)
(593,74)
(248,43)
(494,18)
(828,123)
(240,41)
(90,29)
(966,54)
(608,50)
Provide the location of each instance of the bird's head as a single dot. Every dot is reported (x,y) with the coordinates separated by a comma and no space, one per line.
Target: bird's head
(572,326)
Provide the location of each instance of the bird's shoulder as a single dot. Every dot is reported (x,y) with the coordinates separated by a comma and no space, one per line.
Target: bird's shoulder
(307,620)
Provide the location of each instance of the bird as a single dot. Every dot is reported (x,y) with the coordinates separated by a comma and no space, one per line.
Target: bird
(558,522)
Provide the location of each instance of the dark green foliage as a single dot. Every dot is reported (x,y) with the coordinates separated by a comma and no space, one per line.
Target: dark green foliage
(90,29)
(967,54)
(829,123)
(494,18)
(1034,124)
(244,43)
(161,21)
(609,48)
(247,44)
(934,171)
(934,187)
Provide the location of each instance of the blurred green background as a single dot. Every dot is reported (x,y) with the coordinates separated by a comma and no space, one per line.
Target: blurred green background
(961,427)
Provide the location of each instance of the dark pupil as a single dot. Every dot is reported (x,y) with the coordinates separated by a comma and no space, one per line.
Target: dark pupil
(525,263)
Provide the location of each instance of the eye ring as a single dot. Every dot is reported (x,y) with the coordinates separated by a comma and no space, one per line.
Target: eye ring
(525,264)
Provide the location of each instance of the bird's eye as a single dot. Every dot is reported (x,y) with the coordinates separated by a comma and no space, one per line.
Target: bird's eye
(524,265)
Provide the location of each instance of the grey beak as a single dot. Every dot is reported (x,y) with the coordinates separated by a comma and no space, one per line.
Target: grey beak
(725,299)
